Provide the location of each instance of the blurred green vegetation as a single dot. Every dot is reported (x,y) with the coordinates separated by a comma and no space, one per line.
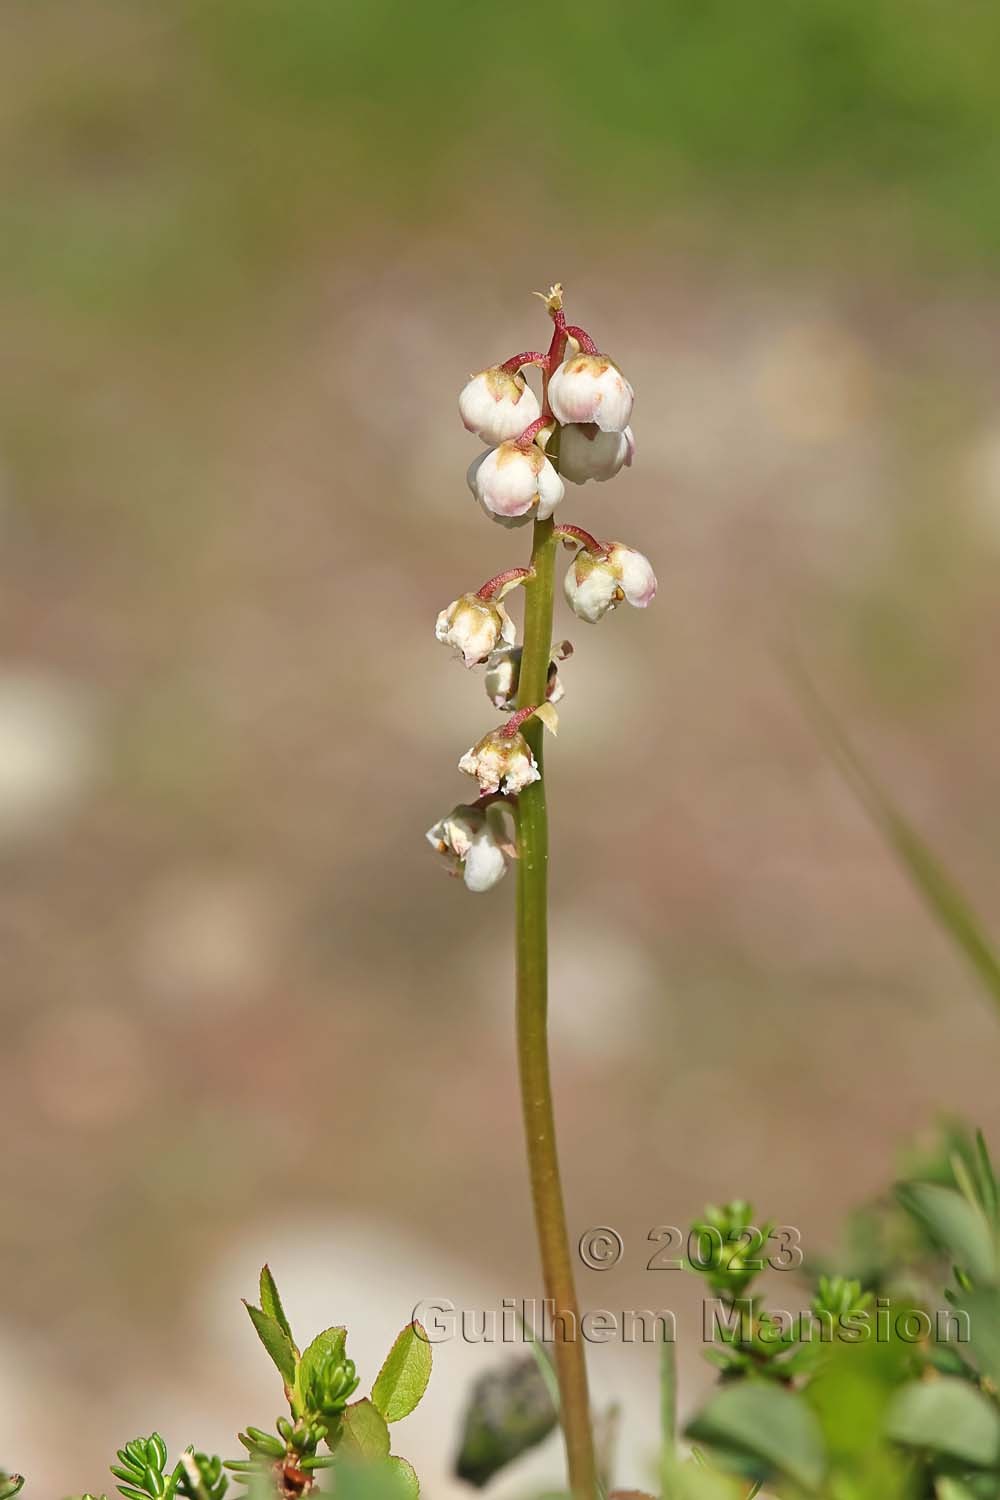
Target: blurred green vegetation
(156,153)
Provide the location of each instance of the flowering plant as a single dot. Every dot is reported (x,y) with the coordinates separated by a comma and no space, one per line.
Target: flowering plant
(578,431)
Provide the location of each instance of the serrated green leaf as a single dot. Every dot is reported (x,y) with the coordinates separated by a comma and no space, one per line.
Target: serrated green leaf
(403,1378)
(365,1431)
(766,1426)
(271,1303)
(948,1416)
(954,1224)
(276,1341)
(381,1479)
(406,1482)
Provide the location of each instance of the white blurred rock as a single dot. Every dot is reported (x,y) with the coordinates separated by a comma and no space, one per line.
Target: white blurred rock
(48,752)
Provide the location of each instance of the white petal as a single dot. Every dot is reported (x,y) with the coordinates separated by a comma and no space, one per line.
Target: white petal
(497,406)
(588,453)
(637,577)
(591,596)
(485,865)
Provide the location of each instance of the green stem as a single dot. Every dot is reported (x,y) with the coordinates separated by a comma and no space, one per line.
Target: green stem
(532,1028)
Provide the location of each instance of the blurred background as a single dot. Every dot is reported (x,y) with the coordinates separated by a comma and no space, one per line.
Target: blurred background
(251,252)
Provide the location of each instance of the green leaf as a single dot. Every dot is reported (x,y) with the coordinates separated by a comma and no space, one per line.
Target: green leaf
(327,1348)
(952,1489)
(768,1426)
(271,1303)
(403,1378)
(276,1341)
(945,900)
(407,1485)
(365,1431)
(382,1479)
(954,1224)
(949,1416)
(982,1308)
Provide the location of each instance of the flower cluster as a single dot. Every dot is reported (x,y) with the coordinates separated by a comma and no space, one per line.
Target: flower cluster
(579,430)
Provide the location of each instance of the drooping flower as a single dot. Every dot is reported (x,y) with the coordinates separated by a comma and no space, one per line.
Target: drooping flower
(598,582)
(475,627)
(473,842)
(591,388)
(516,485)
(585,452)
(503,673)
(497,405)
(501,762)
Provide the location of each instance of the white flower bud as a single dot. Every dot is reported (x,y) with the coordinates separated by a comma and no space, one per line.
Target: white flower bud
(473,843)
(496,405)
(591,388)
(475,627)
(585,452)
(501,762)
(503,672)
(516,484)
(596,584)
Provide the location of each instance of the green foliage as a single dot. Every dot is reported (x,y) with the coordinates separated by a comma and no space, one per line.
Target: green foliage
(510,1411)
(284,1461)
(729,1247)
(949,1417)
(954,1225)
(325,1378)
(144,1471)
(277,1343)
(766,1430)
(319,1384)
(365,1431)
(403,1378)
(895,1406)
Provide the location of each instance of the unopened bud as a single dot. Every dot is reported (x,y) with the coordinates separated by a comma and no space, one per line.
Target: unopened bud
(597,583)
(591,388)
(497,405)
(516,485)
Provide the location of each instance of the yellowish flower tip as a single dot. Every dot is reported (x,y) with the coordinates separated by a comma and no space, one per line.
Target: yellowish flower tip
(553,299)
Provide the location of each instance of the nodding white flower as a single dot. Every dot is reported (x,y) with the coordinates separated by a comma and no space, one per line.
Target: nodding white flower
(597,583)
(515,484)
(585,452)
(473,843)
(475,627)
(501,762)
(591,388)
(496,405)
(503,673)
